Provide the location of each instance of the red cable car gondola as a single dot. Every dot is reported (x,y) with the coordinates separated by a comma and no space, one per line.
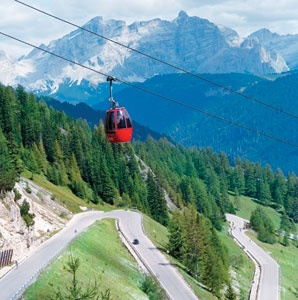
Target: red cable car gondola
(118,125)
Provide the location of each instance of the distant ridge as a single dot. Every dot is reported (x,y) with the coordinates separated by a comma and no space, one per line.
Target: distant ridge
(191,43)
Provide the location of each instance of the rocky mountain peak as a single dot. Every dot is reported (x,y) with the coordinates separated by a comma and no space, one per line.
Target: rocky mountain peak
(182,16)
(264,34)
(188,42)
(231,36)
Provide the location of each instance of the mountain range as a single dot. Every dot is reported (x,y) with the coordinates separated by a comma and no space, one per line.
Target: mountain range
(191,43)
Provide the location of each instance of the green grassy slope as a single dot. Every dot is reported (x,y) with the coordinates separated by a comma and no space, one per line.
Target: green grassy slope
(103,258)
(63,195)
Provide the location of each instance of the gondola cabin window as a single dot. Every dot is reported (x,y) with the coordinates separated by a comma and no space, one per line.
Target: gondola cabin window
(118,125)
(110,124)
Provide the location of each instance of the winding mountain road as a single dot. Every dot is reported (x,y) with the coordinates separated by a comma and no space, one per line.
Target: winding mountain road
(13,284)
(265,287)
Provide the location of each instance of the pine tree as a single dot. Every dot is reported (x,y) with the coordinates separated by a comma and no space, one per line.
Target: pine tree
(285,240)
(48,138)
(250,179)
(192,247)
(7,172)
(238,181)
(286,224)
(156,201)
(53,174)
(123,176)
(237,200)
(30,161)
(42,157)
(5,112)
(263,192)
(106,188)
(279,188)
(59,163)
(213,184)
(76,182)
(26,215)
(214,261)
(31,126)
(132,162)
(212,276)
(230,293)
(75,290)
(175,235)
(262,224)
(76,145)
(201,197)
(187,191)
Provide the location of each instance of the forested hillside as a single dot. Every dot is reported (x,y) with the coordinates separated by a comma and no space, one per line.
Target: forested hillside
(206,179)
(67,152)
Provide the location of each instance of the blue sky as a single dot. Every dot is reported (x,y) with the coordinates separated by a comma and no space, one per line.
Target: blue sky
(244,16)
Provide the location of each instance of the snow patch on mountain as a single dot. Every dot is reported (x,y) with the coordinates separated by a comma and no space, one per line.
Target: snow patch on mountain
(231,36)
(13,69)
(190,43)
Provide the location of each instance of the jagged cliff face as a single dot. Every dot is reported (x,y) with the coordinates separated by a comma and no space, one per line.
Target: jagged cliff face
(191,43)
(49,217)
(285,45)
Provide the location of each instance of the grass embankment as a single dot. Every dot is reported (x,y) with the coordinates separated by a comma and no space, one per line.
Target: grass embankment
(286,257)
(242,268)
(103,258)
(247,206)
(63,195)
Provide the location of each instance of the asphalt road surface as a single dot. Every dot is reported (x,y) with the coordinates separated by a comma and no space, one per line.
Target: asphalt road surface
(268,285)
(13,284)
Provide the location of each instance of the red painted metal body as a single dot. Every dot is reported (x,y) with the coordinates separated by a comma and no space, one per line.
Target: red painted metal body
(118,125)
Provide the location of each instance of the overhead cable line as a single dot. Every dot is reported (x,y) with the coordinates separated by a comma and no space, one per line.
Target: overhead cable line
(164,62)
(256,131)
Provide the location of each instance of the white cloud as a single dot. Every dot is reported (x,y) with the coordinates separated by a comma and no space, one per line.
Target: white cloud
(242,15)
(249,16)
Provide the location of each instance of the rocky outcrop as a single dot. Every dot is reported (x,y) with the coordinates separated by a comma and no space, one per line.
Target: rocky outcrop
(50,217)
